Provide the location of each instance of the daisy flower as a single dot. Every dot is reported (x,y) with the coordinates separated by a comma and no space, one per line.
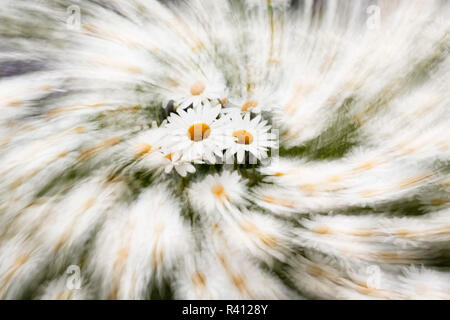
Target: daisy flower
(172,160)
(242,105)
(249,135)
(262,97)
(197,89)
(212,192)
(198,134)
(151,150)
(148,146)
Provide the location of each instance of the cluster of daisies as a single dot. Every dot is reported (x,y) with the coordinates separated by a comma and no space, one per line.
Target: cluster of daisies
(204,128)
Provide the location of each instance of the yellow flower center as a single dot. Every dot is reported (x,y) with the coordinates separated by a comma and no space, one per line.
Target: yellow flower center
(219,192)
(248,105)
(197,88)
(243,137)
(222,101)
(199,131)
(142,149)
